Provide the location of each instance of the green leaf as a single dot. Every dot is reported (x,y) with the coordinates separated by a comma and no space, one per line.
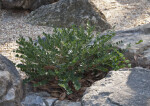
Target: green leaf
(127,61)
(129,65)
(77,85)
(140,41)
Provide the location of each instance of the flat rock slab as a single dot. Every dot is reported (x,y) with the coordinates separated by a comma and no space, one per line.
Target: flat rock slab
(137,53)
(126,87)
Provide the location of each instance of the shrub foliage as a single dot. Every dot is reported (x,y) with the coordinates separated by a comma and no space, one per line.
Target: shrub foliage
(66,55)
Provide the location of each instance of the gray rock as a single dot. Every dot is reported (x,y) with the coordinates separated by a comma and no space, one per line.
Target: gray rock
(33,100)
(65,13)
(139,54)
(43,94)
(66,103)
(25,4)
(10,84)
(126,87)
(50,101)
(10,95)
(34,4)
(4,81)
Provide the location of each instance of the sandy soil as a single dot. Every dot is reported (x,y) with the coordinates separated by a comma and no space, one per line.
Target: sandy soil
(122,14)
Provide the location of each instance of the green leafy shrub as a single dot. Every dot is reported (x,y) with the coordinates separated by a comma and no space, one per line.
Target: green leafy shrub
(66,54)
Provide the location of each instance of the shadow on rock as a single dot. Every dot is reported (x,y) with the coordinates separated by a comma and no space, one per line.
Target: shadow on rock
(139,82)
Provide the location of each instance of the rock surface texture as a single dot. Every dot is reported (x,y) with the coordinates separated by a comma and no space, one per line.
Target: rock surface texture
(139,54)
(65,13)
(25,4)
(10,84)
(126,87)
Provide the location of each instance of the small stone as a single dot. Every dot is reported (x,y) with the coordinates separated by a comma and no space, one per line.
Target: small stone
(43,94)
(33,100)
(50,101)
(66,103)
(10,95)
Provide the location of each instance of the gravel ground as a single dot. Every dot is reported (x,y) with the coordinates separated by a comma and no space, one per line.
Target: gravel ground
(122,14)
(12,26)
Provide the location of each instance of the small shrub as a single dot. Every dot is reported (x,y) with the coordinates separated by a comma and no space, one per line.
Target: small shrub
(66,55)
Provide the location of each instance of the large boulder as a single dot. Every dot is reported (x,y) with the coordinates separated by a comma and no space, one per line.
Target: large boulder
(25,4)
(126,87)
(65,13)
(139,54)
(10,84)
